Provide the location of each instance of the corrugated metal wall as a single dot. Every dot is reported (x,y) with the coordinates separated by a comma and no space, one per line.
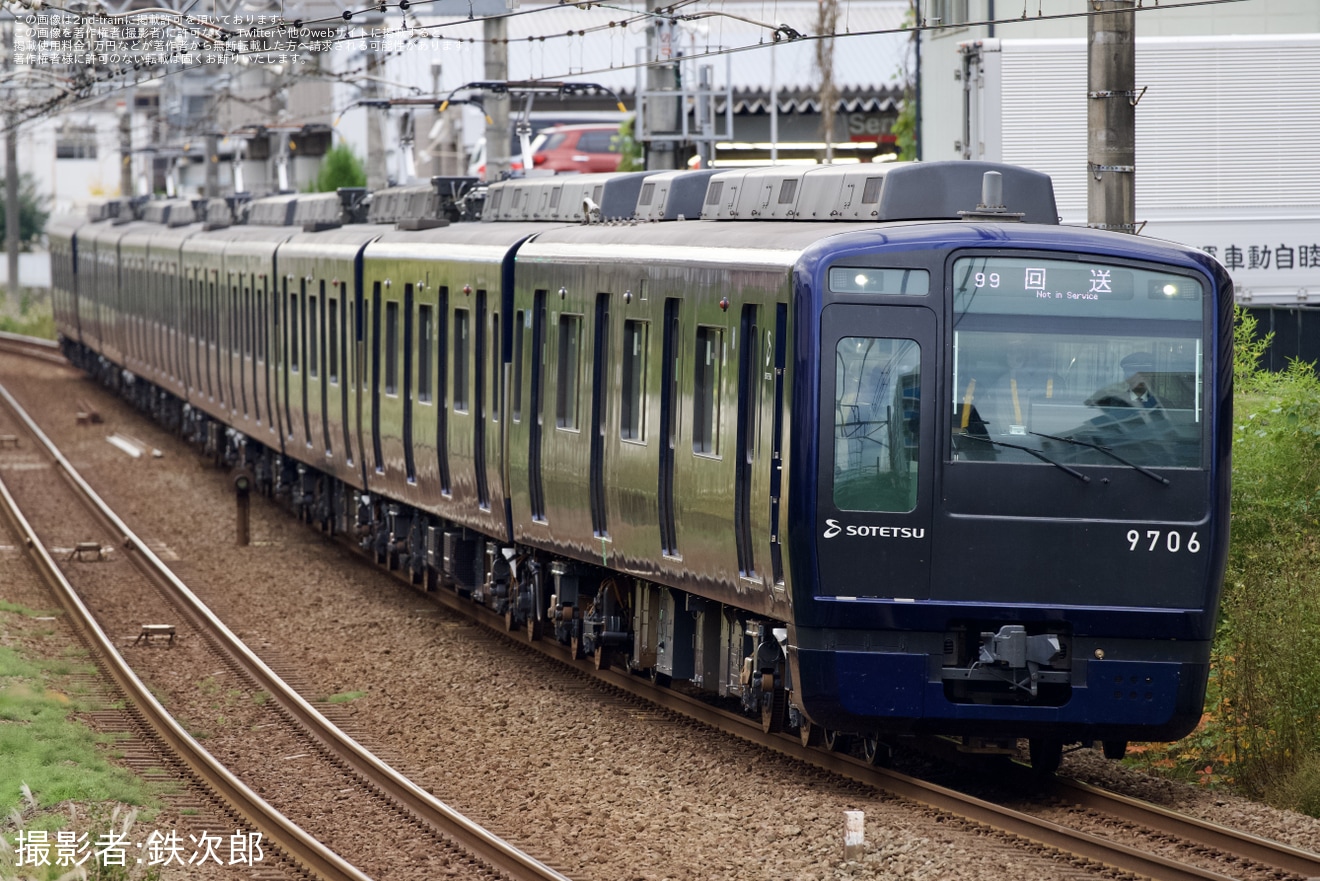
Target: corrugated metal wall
(1226,123)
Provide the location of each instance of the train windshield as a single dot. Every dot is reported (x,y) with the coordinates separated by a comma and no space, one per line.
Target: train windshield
(1076,362)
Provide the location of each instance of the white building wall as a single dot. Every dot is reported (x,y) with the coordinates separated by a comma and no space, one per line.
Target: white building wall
(942,88)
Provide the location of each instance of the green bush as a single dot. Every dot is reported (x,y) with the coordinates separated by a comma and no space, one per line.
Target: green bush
(631,156)
(1268,681)
(32,213)
(340,167)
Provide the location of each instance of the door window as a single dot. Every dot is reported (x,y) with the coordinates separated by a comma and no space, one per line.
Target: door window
(877,424)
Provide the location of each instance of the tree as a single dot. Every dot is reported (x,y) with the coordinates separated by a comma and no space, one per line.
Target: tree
(340,167)
(905,126)
(32,213)
(630,151)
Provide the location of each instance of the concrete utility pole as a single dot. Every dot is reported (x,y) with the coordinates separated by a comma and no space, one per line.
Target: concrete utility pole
(496,32)
(12,283)
(377,176)
(662,77)
(126,147)
(1111,118)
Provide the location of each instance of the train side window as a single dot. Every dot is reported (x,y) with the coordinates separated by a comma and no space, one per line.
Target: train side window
(877,424)
(495,389)
(632,404)
(461,360)
(569,356)
(391,347)
(424,342)
(707,363)
(519,318)
(313,323)
(332,349)
(293,329)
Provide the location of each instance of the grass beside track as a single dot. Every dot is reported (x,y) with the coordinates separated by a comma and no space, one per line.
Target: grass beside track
(55,772)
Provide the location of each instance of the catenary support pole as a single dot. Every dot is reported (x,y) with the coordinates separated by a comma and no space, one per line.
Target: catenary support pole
(1111,115)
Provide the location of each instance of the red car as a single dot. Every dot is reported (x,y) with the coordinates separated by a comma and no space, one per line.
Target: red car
(587,148)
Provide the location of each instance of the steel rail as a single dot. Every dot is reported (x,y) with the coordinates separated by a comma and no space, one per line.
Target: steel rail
(1151,816)
(1092,847)
(301,848)
(32,347)
(469,835)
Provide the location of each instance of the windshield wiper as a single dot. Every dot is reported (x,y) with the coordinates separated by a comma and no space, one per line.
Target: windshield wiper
(1030,452)
(1108,452)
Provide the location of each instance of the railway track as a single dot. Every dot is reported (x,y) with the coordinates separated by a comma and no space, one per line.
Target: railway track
(1190,834)
(301,848)
(32,347)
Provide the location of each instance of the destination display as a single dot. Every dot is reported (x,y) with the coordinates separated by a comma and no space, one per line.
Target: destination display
(1030,285)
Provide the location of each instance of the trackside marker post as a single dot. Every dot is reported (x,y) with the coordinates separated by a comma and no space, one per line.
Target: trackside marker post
(854,835)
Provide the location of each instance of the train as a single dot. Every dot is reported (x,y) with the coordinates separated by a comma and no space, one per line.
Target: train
(871,450)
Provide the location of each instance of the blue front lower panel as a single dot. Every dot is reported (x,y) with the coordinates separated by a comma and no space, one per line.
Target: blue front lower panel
(890,691)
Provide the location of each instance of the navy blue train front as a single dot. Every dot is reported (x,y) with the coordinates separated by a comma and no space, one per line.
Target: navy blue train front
(838,443)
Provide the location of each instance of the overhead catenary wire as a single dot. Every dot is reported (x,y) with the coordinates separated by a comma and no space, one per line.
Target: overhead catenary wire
(82,91)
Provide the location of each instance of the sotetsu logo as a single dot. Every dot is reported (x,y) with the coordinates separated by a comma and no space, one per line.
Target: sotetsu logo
(834,527)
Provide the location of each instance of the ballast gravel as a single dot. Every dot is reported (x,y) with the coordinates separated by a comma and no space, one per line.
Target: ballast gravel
(599,787)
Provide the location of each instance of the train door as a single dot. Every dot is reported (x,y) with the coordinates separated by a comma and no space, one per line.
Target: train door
(230,344)
(536,484)
(409,462)
(262,359)
(749,393)
(283,315)
(442,390)
(479,403)
(494,445)
(213,389)
(375,378)
(599,412)
(876,445)
(306,345)
(243,343)
(330,375)
(327,371)
(335,361)
(250,345)
(778,362)
(669,403)
(191,365)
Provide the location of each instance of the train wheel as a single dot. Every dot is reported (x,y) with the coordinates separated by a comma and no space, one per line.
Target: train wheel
(876,752)
(835,741)
(658,679)
(811,735)
(1115,749)
(1046,755)
(601,658)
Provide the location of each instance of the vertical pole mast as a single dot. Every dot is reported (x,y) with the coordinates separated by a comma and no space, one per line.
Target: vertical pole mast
(12,218)
(1111,116)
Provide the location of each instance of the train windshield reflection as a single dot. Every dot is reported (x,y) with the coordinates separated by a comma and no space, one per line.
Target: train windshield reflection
(1138,397)
(877,424)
